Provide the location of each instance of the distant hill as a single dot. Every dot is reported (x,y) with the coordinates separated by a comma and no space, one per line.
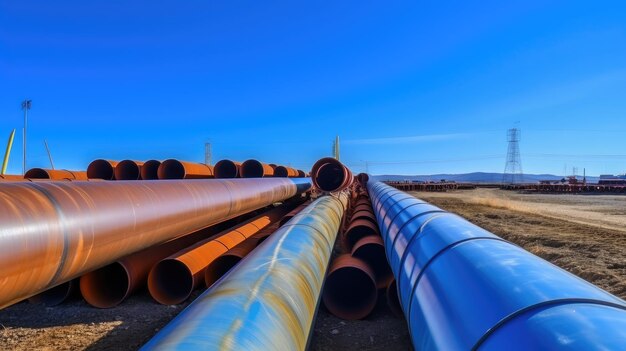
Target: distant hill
(475,177)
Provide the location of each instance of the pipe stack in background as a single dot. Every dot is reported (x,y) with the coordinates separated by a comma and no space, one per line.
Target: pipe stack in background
(463,288)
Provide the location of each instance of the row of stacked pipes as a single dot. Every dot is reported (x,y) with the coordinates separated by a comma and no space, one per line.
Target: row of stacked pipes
(269,250)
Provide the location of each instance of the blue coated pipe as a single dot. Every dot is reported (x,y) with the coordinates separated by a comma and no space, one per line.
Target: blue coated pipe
(464,288)
(268,301)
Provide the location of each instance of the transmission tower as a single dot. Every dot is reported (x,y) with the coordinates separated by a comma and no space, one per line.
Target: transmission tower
(207,154)
(513,169)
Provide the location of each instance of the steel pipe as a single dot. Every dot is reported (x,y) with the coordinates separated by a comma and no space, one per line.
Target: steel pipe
(128,170)
(286,218)
(393,301)
(55,174)
(110,285)
(227,169)
(269,300)
(371,250)
(101,169)
(256,169)
(357,230)
(330,175)
(221,265)
(283,171)
(175,169)
(11,177)
(463,288)
(350,290)
(150,170)
(172,280)
(301,173)
(52,232)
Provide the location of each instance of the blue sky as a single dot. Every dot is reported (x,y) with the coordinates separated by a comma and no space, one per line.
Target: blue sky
(411,87)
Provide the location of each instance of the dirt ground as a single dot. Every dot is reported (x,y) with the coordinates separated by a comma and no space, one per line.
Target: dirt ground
(584,234)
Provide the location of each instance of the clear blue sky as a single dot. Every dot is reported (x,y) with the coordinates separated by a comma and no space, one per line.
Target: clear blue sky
(413,87)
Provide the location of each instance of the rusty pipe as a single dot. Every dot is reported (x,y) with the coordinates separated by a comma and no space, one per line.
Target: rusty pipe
(150,169)
(110,285)
(350,290)
(128,170)
(256,169)
(330,175)
(371,250)
(301,173)
(286,218)
(173,279)
(175,169)
(283,171)
(54,174)
(227,169)
(268,301)
(51,232)
(357,230)
(221,265)
(101,169)
(56,295)
(12,177)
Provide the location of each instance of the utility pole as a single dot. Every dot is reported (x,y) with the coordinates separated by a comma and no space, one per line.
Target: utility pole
(207,154)
(45,142)
(26,104)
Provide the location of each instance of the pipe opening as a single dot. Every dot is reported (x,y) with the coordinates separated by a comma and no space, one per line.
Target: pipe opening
(54,296)
(127,170)
(301,174)
(330,177)
(356,233)
(171,169)
(281,171)
(350,293)
(372,251)
(100,169)
(219,267)
(225,169)
(170,282)
(105,287)
(252,169)
(37,173)
(150,170)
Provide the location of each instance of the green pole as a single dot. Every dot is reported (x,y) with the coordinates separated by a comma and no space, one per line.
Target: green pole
(5,163)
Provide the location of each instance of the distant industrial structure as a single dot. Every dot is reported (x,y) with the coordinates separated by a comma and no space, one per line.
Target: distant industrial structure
(609,179)
(513,169)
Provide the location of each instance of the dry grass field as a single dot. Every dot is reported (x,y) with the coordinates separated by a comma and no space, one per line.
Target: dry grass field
(586,235)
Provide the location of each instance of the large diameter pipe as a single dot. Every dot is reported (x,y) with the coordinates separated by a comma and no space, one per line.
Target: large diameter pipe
(56,295)
(150,169)
(110,285)
(256,169)
(221,265)
(371,250)
(268,301)
(172,280)
(12,177)
(350,291)
(55,231)
(175,169)
(55,174)
(330,175)
(227,169)
(463,288)
(101,169)
(128,170)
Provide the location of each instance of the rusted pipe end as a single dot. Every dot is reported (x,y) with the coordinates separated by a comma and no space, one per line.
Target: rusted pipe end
(328,174)
(301,173)
(150,169)
(226,169)
(101,169)
(219,267)
(37,173)
(171,169)
(105,287)
(358,229)
(282,171)
(363,178)
(128,170)
(364,214)
(371,250)
(55,296)
(393,300)
(350,289)
(170,282)
(255,169)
